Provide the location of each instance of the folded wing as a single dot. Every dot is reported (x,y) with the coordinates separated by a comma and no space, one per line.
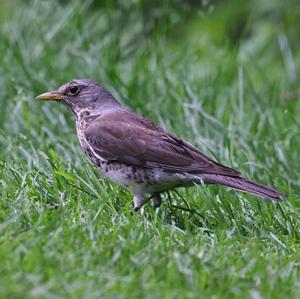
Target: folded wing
(127,137)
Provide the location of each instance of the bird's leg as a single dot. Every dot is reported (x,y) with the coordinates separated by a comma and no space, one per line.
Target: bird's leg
(155,200)
(138,200)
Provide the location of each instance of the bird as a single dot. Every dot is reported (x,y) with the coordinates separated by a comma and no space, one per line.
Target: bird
(139,155)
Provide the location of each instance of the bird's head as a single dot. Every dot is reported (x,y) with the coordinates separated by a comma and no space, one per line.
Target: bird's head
(82,94)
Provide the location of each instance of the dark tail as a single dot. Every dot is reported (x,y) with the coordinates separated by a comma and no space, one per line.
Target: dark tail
(244,185)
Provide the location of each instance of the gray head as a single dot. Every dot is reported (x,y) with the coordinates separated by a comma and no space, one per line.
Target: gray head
(82,94)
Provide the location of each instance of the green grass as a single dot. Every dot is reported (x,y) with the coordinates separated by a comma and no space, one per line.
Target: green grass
(223,76)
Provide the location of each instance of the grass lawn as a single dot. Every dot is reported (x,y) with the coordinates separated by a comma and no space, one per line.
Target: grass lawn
(224,76)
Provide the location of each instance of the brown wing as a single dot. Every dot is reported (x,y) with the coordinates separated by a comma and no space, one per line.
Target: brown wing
(127,137)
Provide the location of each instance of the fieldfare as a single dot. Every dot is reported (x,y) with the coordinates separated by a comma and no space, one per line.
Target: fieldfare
(136,153)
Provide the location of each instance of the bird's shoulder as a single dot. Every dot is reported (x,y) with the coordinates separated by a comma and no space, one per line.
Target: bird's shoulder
(123,123)
(123,115)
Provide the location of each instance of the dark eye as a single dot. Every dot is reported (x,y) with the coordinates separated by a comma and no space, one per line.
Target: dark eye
(73,90)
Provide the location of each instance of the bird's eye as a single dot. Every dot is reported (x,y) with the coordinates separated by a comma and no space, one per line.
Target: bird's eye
(73,90)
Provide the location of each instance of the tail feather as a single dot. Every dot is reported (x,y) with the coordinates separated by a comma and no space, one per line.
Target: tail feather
(244,185)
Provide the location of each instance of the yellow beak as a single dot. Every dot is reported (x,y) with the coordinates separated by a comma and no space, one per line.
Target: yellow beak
(52,95)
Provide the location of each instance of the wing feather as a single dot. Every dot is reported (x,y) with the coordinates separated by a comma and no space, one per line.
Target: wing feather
(127,137)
